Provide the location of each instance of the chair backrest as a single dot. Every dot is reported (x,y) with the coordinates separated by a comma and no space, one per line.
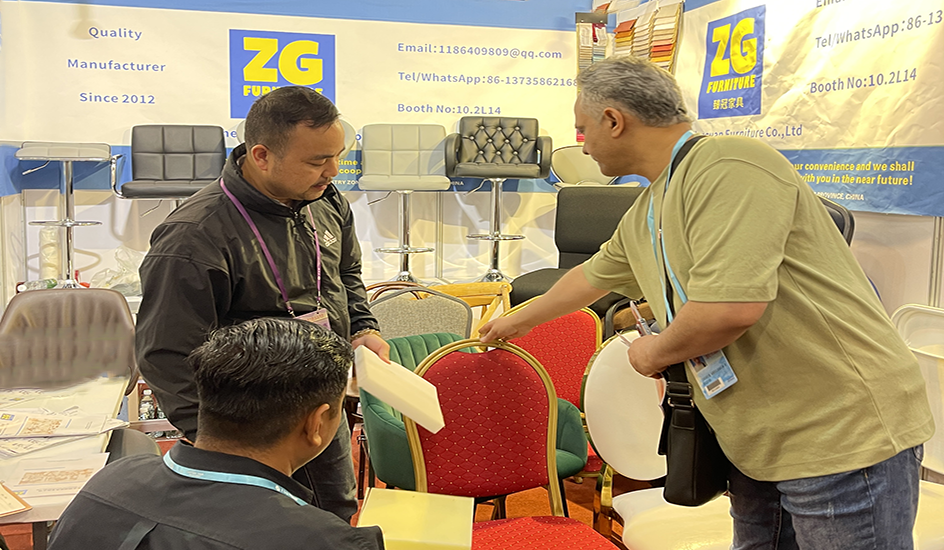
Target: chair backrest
(59,337)
(496,140)
(376,290)
(624,412)
(564,346)
(842,218)
(922,328)
(350,137)
(162,152)
(571,166)
(403,157)
(389,452)
(409,312)
(576,239)
(487,296)
(501,424)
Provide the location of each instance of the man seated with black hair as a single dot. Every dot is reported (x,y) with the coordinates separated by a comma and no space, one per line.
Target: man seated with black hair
(270,400)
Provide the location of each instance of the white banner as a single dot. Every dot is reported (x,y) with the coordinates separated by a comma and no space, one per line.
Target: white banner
(849,90)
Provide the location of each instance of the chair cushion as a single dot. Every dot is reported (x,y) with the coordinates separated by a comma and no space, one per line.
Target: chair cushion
(646,516)
(537,533)
(162,189)
(929,529)
(495,170)
(403,183)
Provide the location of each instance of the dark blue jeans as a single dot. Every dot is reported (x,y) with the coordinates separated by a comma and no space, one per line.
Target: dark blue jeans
(872,508)
(331,475)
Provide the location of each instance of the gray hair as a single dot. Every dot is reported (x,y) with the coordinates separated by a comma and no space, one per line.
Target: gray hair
(635,85)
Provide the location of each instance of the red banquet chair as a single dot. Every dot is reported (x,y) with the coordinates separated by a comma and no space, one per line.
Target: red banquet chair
(496,404)
(564,347)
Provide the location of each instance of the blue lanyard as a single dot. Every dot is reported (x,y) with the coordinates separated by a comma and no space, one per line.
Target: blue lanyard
(238,479)
(657,235)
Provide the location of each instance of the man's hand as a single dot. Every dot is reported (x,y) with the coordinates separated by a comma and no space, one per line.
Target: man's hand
(640,356)
(503,328)
(374,343)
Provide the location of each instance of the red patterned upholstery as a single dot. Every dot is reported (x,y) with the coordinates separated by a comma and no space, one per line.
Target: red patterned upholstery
(537,533)
(564,346)
(594,462)
(495,406)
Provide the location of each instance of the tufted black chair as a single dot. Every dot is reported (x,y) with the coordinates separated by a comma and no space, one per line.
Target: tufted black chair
(495,149)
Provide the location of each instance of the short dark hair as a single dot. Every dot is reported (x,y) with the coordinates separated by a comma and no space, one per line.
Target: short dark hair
(274,116)
(258,379)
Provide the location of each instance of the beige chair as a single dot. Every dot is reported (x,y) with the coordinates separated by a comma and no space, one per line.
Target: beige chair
(403,158)
(572,167)
(59,337)
(922,328)
(416,311)
(624,417)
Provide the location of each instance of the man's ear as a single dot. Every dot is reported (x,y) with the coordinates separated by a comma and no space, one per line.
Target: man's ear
(261,156)
(615,121)
(314,423)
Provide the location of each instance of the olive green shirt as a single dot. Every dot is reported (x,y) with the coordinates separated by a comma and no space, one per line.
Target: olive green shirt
(825,383)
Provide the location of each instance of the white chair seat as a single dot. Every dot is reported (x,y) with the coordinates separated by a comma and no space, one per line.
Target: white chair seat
(929,525)
(403,183)
(651,523)
(46,150)
(646,514)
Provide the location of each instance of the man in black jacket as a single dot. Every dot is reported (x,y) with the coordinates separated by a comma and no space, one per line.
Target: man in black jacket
(270,400)
(272,237)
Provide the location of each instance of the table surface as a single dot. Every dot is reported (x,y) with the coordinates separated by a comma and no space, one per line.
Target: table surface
(100,396)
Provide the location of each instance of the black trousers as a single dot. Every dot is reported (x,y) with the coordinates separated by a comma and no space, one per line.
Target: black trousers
(330,475)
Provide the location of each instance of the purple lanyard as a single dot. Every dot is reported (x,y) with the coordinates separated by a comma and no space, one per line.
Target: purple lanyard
(268,255)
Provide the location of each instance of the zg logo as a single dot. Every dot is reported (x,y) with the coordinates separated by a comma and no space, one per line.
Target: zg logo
(261,61)
(734,66)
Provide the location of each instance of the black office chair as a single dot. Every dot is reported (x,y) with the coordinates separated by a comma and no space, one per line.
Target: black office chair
(842,217)
(578,239)
(171,161)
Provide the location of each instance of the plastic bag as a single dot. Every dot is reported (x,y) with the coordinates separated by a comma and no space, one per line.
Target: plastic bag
(125,279)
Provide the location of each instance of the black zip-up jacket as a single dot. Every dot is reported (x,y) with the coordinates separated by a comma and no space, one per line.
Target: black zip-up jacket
(139,503)
(206,269)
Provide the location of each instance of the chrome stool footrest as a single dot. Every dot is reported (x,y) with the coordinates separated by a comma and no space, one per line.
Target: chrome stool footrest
(491,237)
(404,250)
(65,223)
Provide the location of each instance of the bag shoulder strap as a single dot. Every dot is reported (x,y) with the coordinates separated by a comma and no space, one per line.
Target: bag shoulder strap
(676,373)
